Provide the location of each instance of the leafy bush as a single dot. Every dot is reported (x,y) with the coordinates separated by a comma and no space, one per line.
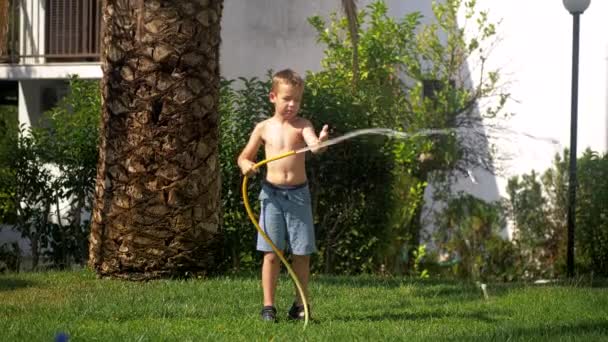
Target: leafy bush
(367,192)
(535,231)
(10,257)
(42,167)
(8,131)
(70,139)
(539,206)
(592,212)
(243,103)
(32,195)
(469,232)
(348,222)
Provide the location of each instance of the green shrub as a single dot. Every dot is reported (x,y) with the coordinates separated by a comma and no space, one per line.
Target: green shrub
(41,167)
(353,183)
(535,233)
(32,189)
(363,221)
(69,141)
(10,257)
(243,103)
(592,212)
(348,223)
(9,126)
(539,207)
(469,232)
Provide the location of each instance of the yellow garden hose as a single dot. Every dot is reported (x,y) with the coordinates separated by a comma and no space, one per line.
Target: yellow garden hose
(274,248)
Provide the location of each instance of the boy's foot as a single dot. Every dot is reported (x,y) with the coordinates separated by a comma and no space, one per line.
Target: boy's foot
(297,312)
(269,314)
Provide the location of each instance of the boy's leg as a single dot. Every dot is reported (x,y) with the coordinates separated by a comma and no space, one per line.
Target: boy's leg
(301,235)
(301,267)
(273,224)
(270,273)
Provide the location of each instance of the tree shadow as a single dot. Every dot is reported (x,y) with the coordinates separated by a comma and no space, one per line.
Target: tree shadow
(502,289)
(564,331)
(434,287)
(400,314)
(11,284)
(358,281)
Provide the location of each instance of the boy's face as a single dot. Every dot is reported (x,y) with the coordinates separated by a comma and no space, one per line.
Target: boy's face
(287,99)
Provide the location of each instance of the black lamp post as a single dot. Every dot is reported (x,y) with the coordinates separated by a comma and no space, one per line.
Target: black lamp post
(576,8)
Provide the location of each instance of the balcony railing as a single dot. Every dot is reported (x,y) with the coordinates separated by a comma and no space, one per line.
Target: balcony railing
(43,31)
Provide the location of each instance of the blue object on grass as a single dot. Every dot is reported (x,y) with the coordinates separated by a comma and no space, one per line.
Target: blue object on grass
(62,337)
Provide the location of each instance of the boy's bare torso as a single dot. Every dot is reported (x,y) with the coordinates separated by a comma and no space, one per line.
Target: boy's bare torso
(281,137)
(285,131)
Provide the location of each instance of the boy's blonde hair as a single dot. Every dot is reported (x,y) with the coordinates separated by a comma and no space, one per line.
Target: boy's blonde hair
(287,76)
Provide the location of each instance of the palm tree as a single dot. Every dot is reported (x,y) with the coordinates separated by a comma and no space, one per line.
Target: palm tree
(156,210)
(350,11)
(4,13)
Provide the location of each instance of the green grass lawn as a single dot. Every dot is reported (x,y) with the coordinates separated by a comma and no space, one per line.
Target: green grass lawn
(36,306)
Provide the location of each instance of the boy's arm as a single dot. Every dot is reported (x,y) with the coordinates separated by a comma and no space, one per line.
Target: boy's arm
(311,139)
(246,159)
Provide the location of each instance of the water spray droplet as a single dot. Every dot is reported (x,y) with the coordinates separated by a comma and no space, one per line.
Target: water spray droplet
(489,132)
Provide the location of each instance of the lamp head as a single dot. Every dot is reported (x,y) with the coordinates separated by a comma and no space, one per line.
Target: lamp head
(576,6)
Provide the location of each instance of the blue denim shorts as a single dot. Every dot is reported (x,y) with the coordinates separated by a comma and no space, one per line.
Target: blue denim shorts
(286,217)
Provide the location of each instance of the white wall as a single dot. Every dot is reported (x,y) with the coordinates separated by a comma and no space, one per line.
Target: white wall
(258,35)
(29,102)
(50,71)
(31,93)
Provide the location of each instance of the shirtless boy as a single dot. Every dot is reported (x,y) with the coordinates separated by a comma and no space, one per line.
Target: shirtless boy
(286,215)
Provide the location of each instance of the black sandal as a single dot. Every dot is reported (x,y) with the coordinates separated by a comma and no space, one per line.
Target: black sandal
(269,314)
(297,312)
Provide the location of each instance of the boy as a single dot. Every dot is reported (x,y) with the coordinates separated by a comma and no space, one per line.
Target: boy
(285,198)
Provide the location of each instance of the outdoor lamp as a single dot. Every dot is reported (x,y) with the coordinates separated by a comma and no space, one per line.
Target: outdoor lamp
(576,8)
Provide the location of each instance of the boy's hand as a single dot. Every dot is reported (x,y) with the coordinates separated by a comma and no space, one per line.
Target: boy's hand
(324,135)
(248,168)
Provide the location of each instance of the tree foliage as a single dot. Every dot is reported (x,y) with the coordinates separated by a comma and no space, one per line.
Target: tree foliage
(48,170)
(243,103)
(469,238)
(415,77)
(538,207)
(9,126)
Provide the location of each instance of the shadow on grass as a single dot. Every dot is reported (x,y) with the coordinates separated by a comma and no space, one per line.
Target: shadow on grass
(398,314)
(581,281)
(452,288)
(550,333)
(428,288)
(362,281)
(10,284)
(486,317)
(502,289)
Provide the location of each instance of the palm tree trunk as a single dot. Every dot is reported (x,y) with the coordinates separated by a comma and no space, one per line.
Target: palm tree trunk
(350,12)
(157,197)
(4,13)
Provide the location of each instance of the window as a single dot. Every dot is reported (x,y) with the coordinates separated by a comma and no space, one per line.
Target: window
(73,30)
